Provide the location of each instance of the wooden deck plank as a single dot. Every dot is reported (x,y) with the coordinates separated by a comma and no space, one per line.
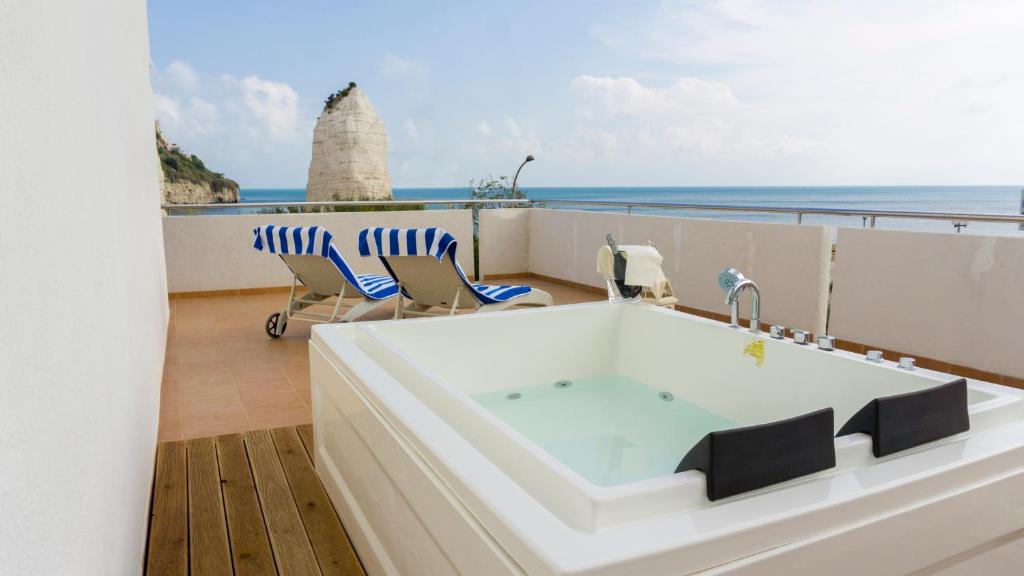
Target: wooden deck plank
(250,545)
(330,543)
(306,434)
(168,531)
(292,550)
(208,549)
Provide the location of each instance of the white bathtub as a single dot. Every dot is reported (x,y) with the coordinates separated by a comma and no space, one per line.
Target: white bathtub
(430,482)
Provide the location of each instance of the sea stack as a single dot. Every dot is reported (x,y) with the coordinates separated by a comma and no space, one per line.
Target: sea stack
(350,149)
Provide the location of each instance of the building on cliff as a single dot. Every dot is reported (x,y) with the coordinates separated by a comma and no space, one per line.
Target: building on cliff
(186,180)
(350,148)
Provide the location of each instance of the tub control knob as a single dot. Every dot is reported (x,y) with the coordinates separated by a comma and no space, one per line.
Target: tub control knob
(827,343)
(801,337)
(874,356)
(776,331)
(907,363)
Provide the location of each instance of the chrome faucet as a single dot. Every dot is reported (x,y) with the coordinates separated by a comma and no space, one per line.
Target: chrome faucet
(733,284)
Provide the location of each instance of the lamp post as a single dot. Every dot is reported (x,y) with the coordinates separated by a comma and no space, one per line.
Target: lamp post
(476,223)
(529,158)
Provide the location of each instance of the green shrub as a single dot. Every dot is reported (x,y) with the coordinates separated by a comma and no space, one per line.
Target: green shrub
(337,96)
(492,188)
(337,198)
(375,208)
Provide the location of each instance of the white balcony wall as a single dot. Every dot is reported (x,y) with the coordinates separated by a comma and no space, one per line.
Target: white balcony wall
(505,241)
(206,253)
(956,298)
(82,277)
(789,263)
(948,297)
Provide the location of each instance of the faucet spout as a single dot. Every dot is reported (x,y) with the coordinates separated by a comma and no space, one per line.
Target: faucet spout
(733,300)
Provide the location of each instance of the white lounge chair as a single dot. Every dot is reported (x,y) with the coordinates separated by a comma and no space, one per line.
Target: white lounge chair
(310,254)
(422,261)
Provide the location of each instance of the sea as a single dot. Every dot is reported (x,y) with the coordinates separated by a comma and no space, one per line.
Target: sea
(965,199)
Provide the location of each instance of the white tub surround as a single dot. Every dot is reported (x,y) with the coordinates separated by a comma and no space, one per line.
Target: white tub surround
(429,481)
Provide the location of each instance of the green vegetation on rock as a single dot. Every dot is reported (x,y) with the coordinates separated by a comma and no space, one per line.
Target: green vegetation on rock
(337,96)
(354,208)
(179,167)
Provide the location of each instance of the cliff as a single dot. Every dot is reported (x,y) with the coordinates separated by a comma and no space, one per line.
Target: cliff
(350,149)
(186,180)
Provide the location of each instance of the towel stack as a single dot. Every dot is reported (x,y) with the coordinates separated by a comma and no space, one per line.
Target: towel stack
(643,266)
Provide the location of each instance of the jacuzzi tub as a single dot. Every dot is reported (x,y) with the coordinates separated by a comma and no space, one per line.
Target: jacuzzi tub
(425,441)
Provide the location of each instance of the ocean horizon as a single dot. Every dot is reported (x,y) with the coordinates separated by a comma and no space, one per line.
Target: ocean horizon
(965,199)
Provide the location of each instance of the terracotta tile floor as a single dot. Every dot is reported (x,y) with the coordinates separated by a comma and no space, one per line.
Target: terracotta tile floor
(224,375)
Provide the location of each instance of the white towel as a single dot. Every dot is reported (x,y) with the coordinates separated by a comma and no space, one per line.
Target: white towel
(643,265)
(660,286)
(605,262)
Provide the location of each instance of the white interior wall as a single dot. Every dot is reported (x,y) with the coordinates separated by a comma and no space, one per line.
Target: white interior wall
(82,276)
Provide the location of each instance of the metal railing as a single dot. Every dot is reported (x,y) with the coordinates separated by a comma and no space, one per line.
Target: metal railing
(797,211)
(869,216)
(325,206)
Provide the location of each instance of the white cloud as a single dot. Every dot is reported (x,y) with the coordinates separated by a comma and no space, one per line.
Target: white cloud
(201,116)
(182,76)
(627,96)
(512,127)
(251,129)
(689,115)
(876,92)
(186,116)
(515,140)
(483,128)
(274,104)
(166,109)
(392,66)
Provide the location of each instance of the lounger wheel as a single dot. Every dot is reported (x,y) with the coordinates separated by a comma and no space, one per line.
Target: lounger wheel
(273,330)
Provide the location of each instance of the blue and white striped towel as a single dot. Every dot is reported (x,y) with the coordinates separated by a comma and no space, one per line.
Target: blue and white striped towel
(434,243)
(316,241)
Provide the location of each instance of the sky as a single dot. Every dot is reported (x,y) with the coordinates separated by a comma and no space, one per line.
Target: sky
(603,93)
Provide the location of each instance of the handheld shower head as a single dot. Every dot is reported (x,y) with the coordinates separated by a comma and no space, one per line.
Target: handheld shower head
(733,283)
(729,278)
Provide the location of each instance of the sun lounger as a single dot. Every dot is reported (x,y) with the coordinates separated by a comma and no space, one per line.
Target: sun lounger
(315,262)
(422,261)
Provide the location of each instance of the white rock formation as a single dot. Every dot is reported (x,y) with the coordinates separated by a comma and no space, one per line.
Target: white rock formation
(350,149)
(197,193)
